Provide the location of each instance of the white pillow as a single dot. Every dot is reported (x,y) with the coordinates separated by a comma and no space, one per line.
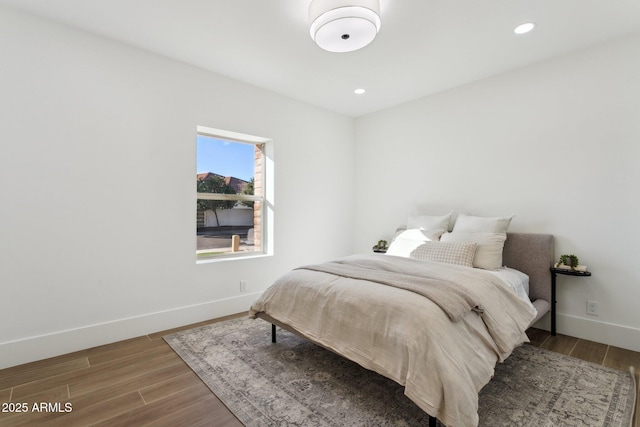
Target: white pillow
(447,252)
(418,234)
(489,251)
(403,247)
(429,222)
(405,241)
(481,224)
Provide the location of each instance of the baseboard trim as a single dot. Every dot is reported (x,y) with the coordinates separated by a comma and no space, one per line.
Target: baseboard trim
(45,346)
(595,330)
(49,345)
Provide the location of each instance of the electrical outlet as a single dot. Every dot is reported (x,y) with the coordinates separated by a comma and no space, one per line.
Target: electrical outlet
(592,308)
(243,286)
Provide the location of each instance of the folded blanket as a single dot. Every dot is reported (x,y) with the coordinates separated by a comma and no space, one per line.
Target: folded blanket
(452,299)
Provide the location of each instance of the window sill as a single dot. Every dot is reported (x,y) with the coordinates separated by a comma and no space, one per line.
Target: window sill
(223,258)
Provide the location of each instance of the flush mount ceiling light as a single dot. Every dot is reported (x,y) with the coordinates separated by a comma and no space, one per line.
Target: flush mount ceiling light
(344,25)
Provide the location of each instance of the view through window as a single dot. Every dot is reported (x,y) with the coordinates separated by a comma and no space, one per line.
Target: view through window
(229,184)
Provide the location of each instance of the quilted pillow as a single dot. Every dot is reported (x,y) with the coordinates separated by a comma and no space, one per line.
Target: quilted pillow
(489,251)
(447,252)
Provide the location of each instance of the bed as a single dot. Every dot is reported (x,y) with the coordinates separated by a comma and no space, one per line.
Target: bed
(442,346)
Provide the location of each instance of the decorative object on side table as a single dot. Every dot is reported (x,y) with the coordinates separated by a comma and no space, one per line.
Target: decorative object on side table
(568,265)
(570,262)
(381,246)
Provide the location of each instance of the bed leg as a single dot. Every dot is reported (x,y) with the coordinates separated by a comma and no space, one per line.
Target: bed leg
(433,421)
(273,333)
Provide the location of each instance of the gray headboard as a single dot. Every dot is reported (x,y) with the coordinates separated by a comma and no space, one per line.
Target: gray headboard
(532,254)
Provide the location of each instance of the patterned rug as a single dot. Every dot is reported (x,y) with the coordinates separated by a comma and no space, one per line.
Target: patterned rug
(296,383)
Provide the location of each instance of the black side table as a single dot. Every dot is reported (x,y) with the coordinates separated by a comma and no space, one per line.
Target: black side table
(566,272)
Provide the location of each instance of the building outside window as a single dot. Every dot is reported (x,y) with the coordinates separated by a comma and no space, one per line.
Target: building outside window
(230,178)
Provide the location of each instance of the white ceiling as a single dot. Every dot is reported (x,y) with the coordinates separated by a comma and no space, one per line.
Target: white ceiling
(424,46)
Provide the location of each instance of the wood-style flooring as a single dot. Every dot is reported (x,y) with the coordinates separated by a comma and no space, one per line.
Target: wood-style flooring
(141,381)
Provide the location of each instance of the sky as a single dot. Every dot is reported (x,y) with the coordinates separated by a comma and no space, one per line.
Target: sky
(225,158)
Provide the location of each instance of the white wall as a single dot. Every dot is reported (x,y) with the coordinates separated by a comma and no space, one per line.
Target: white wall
(97,158)
(556,144)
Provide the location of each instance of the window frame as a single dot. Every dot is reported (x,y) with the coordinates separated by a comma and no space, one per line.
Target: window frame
(266,208)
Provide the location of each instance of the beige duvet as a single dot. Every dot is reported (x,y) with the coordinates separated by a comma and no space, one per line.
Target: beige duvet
(403,335)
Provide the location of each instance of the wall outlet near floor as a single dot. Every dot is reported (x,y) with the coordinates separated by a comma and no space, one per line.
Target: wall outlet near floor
(243,286)
(592,308)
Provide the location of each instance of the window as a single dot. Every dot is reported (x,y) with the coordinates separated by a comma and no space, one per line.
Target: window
(230,208)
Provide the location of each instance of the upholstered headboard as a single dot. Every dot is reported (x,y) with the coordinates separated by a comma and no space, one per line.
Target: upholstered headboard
(532,254)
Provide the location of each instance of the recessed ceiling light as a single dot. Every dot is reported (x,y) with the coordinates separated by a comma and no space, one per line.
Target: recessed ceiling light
(524,28)
(359,91)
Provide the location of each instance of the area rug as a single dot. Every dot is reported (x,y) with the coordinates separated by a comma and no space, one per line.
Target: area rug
(296,383)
